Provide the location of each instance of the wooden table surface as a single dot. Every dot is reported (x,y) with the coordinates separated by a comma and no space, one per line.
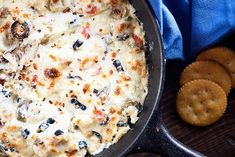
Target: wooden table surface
(217,140)
(213,140)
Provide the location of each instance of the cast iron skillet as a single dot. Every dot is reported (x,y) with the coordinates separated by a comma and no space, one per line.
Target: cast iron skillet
(149,133)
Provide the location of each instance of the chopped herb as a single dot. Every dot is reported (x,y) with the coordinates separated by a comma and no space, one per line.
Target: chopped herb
(77,44)
(118,65)
(82,145)
(58,132)
(25,133)
(50,121)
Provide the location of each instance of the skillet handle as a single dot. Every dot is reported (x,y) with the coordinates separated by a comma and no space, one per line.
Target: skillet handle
(168,144)
(157,139)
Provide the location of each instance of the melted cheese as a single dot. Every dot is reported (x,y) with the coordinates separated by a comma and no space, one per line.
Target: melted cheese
(75,83)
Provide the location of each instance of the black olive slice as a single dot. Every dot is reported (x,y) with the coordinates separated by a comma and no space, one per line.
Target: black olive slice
(20,30)
(42,127)
(139,107)
(77,44)
(105,122)
(82,145)
(118,65)
(123,37)
(124,121)
(78,104)
(58,132)
(25,133)
(50,121)
(97,135)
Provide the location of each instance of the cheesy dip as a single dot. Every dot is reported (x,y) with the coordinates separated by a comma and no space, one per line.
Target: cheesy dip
(73,76)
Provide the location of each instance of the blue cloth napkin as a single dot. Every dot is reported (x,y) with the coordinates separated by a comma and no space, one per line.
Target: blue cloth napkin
(188,26)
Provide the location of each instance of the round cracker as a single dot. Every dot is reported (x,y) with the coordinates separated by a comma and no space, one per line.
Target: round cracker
(222,55)
(207,70)
(201,102)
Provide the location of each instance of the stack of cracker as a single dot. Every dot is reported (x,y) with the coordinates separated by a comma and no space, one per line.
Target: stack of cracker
(205,84)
